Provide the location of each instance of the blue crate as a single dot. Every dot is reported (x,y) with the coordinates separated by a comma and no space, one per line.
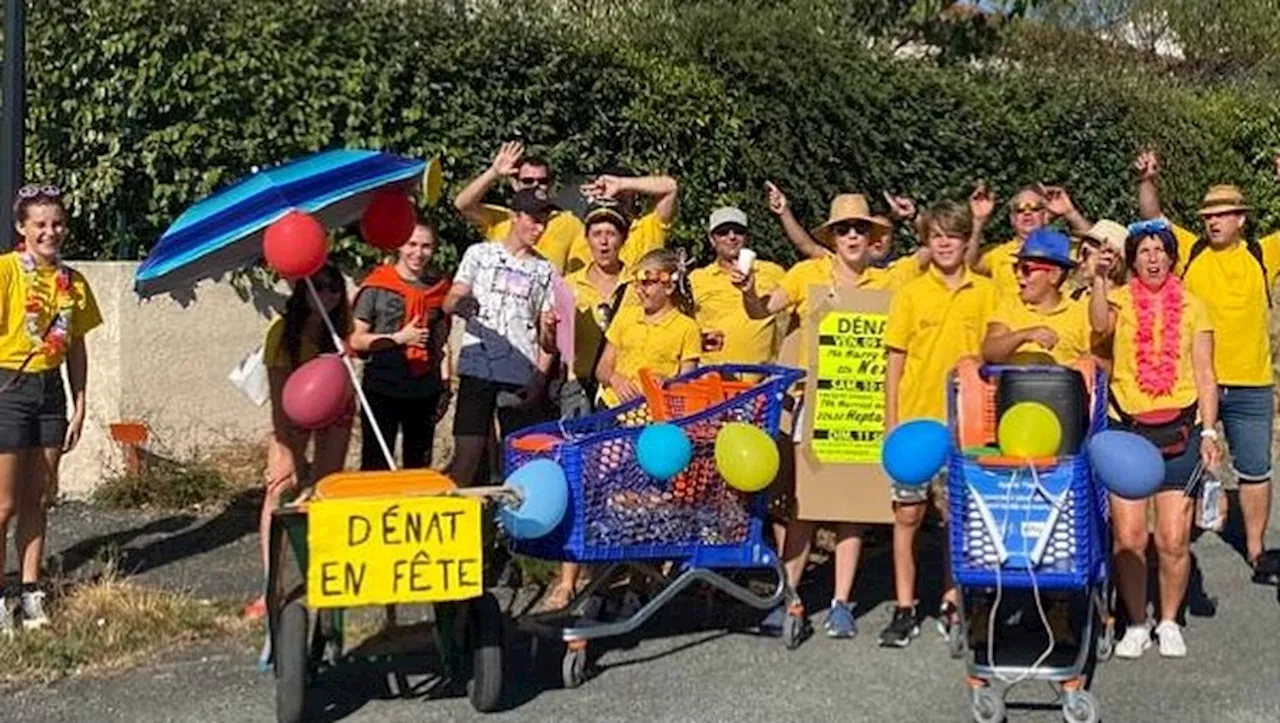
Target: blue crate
(618,513)
(1072,541)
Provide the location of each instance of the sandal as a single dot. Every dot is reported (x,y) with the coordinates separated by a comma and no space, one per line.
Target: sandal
(948,617)
(557,597)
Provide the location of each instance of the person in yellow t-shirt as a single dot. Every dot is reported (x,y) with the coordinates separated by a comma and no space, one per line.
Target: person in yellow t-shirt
(1159,366)
(729,336)
(48,310)
(1030,208)
(647,232)
(1040,325)
(1234,275)
(849,230)
(525,172)
(933,322)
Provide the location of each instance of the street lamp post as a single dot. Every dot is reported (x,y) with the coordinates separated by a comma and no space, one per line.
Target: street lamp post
(12,126)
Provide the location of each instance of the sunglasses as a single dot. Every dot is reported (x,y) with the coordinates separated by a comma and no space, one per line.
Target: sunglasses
(533,181)
(1026,268)
(648,277)
(1028,208)
(1147,228)
(842,228)
(38,191)
(729,228)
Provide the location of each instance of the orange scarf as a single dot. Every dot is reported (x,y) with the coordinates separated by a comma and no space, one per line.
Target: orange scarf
(418,302)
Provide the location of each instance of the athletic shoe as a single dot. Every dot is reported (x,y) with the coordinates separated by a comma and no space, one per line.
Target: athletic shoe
(32,610)
(1136,640)
(901,630)
(840,622)
(772,623)
(1171,643)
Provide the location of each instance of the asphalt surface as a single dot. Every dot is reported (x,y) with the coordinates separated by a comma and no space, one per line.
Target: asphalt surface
(686,666)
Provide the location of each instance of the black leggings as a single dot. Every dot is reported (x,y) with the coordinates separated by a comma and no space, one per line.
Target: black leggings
(414,418)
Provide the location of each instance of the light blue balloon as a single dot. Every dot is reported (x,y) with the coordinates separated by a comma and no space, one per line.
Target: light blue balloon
(1128,464)
(663,450)
(545,491)
(914,452)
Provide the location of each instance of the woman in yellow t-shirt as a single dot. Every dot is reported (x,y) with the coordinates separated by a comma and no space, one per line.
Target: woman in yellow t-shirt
(1163,345)
(292,340)
(48,309)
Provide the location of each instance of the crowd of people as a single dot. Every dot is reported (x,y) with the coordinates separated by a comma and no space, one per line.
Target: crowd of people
(1180,320)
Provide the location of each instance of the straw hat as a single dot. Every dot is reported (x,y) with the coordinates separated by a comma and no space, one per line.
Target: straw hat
(1108,233)
(850,207)
(1225,198)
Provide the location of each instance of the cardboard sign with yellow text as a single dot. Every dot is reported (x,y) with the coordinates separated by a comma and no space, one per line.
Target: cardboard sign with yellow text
(393,550)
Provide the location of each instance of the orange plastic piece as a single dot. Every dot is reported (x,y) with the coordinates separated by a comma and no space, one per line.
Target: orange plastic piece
(383,483)
(129,432)
(975,405)
(655,396)
(535,443)
(1001,462)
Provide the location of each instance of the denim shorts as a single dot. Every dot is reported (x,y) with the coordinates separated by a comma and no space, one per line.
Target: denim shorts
(33,410)
(1247,415)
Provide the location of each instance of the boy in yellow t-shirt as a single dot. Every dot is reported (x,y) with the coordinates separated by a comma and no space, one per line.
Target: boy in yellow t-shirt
(934,321)
(1040,325)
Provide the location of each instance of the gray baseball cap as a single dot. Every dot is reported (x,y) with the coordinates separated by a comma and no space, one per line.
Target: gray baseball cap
(727,214)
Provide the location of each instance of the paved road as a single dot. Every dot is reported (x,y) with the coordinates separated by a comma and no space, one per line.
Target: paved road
(682,674)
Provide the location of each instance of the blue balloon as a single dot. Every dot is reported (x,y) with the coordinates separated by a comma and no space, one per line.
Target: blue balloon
(1127,464)
(914,452)
(545,497)
(663,450)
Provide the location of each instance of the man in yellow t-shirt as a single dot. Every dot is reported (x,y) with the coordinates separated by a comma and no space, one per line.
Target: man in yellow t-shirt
(729,336)
(1234,275)
(1030,208)
(647,232)
(1040,325)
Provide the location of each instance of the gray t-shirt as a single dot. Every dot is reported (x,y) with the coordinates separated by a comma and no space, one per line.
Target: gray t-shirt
(387,372)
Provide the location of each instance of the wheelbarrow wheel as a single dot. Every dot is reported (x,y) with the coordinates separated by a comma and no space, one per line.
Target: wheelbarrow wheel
(485,635)
(293,663)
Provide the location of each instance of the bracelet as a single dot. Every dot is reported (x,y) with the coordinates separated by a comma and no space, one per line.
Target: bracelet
(1209,434)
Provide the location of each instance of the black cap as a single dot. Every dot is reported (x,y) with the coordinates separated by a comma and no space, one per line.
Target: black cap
(532,201)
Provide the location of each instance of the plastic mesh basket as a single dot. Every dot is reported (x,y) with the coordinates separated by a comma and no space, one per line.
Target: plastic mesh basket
(618,512)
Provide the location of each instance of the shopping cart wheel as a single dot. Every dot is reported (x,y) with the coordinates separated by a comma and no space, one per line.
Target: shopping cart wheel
(484,637)
(574,668)
(987,705)
(1079,706)
(795,628)
(293,663)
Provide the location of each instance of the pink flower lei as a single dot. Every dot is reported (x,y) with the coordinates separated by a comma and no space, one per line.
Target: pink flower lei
(1157,368)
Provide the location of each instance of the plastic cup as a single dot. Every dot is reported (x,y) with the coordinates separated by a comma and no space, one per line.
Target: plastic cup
(746,257)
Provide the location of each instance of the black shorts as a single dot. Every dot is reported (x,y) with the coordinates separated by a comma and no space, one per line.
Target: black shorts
(33,410)
(477,402)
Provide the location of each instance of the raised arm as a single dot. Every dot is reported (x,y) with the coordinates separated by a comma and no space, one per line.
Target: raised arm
(505,163)
(758,307)
(1102,318)
(982,203)
(662,189)
(1060,205)
(795,232)
(1148,167)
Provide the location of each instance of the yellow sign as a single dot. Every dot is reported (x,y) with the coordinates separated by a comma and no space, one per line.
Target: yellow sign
(848,411)
(395,550)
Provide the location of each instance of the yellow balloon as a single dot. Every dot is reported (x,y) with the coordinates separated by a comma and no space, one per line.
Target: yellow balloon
(746,456)
(1031,430)
(432,182)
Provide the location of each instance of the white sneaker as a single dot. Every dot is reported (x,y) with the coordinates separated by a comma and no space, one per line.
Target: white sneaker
(32,611)
(1171,643)
(1136,640)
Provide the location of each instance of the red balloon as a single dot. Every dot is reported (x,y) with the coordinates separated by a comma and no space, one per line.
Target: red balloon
(318,393)
(296,246)
(388,220)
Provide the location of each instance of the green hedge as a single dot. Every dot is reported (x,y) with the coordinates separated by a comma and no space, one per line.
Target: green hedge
(140,107)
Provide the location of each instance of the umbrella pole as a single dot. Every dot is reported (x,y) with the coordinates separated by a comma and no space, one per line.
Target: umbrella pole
(340,345)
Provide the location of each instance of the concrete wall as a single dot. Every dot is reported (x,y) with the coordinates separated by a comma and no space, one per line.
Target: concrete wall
(165,362)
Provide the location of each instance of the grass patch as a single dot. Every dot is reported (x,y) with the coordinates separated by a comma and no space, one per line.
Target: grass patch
(110,623)
(205,480)
(537,572)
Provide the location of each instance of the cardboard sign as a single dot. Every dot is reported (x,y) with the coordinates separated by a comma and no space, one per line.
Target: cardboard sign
(838,473)
(395,550)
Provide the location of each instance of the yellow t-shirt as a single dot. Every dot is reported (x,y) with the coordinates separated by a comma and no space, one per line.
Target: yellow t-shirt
(562,230)
(16,344)
(659,345)
(718,307)
(646,234)
(800,278)
(276,356)
(999,262)
(935,326)
(1234,289)
(1069,320)
(1196,318)
(589,323)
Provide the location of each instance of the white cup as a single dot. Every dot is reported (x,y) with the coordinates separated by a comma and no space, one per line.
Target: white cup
(746,257)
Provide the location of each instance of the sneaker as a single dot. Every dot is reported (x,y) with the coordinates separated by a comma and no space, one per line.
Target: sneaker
(1171,643)
(948,617)
(772,623)
(840,622)
(901,630)
(32,610)
(1136,640)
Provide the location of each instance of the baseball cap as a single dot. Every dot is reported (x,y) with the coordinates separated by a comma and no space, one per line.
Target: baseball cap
(726,215)
(532,201)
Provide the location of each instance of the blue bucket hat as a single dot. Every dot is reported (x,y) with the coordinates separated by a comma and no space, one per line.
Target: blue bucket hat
(1045,244)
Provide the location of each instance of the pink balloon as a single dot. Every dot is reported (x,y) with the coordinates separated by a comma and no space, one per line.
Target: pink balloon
(318,393)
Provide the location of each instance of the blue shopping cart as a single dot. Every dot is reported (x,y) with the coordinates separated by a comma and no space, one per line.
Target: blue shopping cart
(620,516)
(1022,531)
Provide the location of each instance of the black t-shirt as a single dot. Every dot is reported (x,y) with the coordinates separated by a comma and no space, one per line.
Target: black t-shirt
(386,372)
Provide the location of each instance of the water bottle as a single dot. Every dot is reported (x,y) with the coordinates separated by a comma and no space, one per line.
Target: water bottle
(1209,509)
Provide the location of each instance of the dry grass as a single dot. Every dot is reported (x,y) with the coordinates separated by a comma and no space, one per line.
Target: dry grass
(107,624)
(207,479)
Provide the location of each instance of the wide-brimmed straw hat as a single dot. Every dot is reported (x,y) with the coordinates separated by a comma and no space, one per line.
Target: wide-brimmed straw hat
(1224,198)
(850,207)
